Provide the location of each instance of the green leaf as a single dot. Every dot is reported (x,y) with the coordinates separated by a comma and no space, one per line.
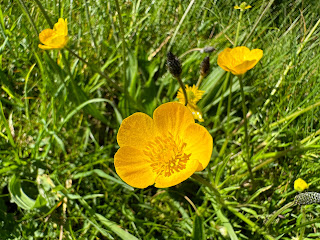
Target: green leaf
(40,202)
(115,228)
(198,229)
(18,195)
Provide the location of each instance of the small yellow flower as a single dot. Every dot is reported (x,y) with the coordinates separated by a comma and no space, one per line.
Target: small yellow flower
(243,6)
(55,38)
(165,150)
(300,185)
(194,95)
(239,60)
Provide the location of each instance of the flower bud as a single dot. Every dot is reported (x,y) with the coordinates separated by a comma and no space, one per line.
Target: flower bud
(205,66)
(174,65)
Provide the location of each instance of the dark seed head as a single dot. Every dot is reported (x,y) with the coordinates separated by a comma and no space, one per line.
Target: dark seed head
(307,198)
(174,65)
(205,66)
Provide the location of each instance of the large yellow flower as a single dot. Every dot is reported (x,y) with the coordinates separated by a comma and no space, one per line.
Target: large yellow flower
(239,60)
(55,38)
(194,95)
(165,150)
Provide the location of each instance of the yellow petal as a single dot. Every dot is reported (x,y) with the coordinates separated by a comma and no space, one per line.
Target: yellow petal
(243,67)
(46,35)
(45,47)
(133,168)
(199,143)
(61,27)
(239,60)
(176,178)
(172,117)
(136,131)
(256,54)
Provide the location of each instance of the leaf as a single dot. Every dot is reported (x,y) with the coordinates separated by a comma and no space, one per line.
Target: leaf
(40,202)
(115,228)
(18,195)
(198,229)
(102,174)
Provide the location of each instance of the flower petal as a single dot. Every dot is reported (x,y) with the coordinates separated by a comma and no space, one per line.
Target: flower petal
(136,131)
(61,27)
(172,117)
(133,168)
(45,47)
(46,35)
(244,67)
(57,41)
(199,143)
(256,54)
(177,177)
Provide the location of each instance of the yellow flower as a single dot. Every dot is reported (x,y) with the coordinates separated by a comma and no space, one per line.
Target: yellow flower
(55,38)
(300,185)
(243,6)
(194,95)
(239,60)
(165,150)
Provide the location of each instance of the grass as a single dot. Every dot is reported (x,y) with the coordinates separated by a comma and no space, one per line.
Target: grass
(60,112)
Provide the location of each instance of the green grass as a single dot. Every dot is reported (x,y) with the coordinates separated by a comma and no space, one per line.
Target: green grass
(60,115)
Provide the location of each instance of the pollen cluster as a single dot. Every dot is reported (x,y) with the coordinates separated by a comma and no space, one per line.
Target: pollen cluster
(166,155)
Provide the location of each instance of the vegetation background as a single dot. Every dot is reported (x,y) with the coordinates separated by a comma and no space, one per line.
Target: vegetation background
(60,112)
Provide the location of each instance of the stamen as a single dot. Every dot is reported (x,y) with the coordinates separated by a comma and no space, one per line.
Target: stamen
(166,155)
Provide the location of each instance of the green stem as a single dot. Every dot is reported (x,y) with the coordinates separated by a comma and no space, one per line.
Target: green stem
(229,107)
(25,10)
(254,227)
(302,229)
(238,29)
(199,81)
(44,13)
(183,90)
(275,215)
(221,100)
(125,84)
(246,136)
(204,182)
(90,27)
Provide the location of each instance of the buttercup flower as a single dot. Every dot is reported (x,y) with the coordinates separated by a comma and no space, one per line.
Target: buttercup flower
(55,38)
(239,60)
(194,95)
(300,185)
(243,6)
(165,150)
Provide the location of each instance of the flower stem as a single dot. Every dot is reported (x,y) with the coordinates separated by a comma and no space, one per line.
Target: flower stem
(303,219)
(221,100)
(246,137)
(183,90)
(273,217)
(125,84)
(238,29)
(199,81)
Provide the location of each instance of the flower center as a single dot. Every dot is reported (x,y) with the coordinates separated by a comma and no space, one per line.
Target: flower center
(166,155)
